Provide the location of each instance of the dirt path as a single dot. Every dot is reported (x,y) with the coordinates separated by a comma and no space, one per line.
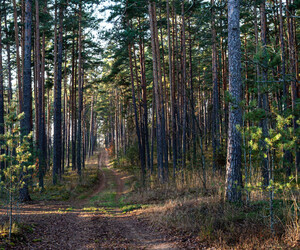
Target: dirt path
(69,225)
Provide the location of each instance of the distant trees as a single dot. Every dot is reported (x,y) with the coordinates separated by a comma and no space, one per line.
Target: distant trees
(206,88)
(171,90)
(27,28)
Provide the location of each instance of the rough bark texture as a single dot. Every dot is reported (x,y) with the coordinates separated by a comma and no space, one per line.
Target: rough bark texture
(234,152)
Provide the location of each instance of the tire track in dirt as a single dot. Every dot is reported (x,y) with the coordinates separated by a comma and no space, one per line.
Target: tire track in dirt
(102,180)
(138,235)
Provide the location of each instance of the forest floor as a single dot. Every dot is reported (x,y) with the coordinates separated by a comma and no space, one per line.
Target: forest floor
(98,221)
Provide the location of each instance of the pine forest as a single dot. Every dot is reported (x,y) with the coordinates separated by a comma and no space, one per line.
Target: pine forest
(149,124)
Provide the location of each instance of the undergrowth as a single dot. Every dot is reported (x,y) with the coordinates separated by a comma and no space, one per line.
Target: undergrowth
(17,234)
(69,186)
(183,205)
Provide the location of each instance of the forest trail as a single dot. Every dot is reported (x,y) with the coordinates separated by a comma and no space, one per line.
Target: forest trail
(97,222)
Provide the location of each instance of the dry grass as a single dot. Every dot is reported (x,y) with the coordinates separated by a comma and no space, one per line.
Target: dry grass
(292,230)
(70,186)
(220,224)
(186,207)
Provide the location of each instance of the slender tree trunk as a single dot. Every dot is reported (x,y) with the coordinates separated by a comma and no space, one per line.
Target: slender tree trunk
(234,148)
(91,128)
(215,123)
(164,104)
(287,154)
(18,55)
(183,81)
(80,98)
(74,65)
(43,104)
(1,99)
(157,83)
(293,71)
(142,156)
(194,137)
(57,140)
(172,93)
(26,122)
(144,95)
(9,96)
(48,129)
(264,96)
(65,108)
(40,121)
(35,86)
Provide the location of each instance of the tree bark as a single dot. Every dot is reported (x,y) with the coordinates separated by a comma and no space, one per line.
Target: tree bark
(26,122)
(18,55)
(80,98)
(9,94)
(157,83)
(1,99)
(183,85)
(264,97)
(215,123)
(57,140)
(40,121)
(234,149)
(172,93)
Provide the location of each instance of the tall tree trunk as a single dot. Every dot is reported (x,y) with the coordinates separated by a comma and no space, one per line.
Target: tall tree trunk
(164,102)
(43,104)
(18,55)
(1,99)
(172,92)
(264,97)
(26,122)
(157,83)
(65,115)
(91,128)
(287,153)
(191,98)
(293,71)
(73,105)
(234,148)
(57,140)
(9,96)
(144,96)
(40,100)
(80,98)
(141,154)
(183,82)
(215,122)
